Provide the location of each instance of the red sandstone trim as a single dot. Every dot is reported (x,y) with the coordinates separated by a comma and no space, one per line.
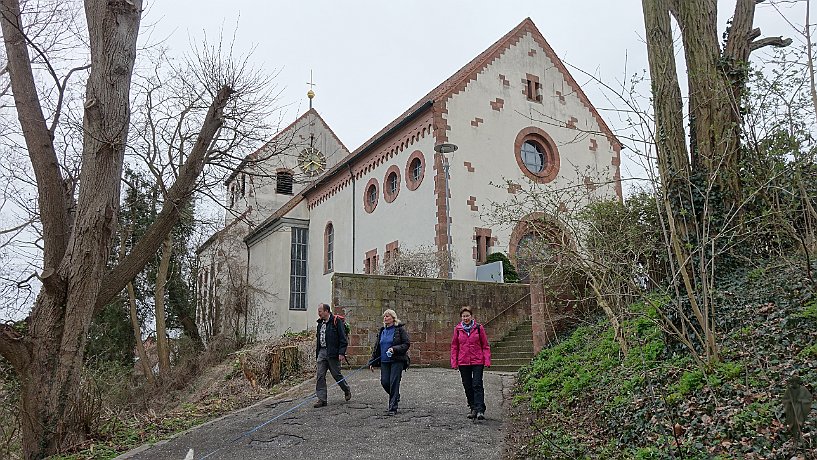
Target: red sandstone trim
(497,104)
(468,166)
(370,262)
(472,200)
(589,184)
(616,161)
(594,146)
(392,249)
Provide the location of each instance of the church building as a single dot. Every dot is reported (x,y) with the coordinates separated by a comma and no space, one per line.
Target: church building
(303,207)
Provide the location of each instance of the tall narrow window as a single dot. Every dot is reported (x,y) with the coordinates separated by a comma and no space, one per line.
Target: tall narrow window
(283,183)
(329,243)
(297,275)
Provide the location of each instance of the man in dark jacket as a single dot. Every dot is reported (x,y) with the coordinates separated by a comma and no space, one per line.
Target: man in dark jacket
(330,348)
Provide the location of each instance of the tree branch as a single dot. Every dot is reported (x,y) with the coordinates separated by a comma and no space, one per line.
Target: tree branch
(12,347)
(778,42)
(177,197)
(51,197)
(61,87)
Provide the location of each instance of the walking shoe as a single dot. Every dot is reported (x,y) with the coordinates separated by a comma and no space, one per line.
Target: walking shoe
(347,394)
(391,413)
(319,403)
(480,416)
(473,414)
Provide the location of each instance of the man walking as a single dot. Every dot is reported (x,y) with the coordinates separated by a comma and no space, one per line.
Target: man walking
(330,349)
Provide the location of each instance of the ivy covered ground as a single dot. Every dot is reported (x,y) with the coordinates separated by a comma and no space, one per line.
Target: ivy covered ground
(582,398)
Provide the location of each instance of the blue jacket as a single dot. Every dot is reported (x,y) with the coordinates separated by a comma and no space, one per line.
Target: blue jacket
(400,345)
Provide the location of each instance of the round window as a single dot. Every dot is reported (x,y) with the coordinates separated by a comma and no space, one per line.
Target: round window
(533,156)
(536,155)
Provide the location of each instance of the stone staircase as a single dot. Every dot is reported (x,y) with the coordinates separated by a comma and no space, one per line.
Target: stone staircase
(514,350)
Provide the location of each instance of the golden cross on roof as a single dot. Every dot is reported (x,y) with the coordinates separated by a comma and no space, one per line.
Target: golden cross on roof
(310,94)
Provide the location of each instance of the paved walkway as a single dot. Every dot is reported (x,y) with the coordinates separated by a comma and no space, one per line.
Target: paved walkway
(431,424)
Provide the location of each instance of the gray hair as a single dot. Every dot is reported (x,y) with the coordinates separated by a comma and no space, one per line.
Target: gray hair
(391,313)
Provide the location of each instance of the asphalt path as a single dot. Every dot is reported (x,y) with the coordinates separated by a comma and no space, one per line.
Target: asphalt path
(430,424)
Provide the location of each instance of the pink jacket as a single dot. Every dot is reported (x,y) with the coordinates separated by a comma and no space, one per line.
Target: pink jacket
(469,350)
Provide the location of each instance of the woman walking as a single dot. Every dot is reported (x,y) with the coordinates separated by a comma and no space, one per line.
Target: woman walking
(390,353)
(470,353)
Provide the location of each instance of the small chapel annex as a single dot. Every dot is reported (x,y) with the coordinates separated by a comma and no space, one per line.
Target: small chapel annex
(316,208)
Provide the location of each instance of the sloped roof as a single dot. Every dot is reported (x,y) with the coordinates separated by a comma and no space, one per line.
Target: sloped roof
(457,81)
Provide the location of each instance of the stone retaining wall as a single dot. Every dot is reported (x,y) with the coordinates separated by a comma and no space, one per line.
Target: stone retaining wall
(428,306)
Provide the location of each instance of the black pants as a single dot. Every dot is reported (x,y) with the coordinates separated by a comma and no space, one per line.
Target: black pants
(472,382)
(390,375)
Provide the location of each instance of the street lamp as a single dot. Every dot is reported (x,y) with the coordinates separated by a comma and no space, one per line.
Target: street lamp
(447,150)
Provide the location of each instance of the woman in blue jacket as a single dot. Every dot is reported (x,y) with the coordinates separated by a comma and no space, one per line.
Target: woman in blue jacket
(390,353)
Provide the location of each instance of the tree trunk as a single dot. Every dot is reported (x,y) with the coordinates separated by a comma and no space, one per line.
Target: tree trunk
(76,282)
(162,347)
(147,369)
(134,316)
(76,260)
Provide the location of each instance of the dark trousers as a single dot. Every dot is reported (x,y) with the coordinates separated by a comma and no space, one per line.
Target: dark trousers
(390,375)
(472,382)
(333,366)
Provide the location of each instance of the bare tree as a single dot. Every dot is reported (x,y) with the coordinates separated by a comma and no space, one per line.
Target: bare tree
(78,217)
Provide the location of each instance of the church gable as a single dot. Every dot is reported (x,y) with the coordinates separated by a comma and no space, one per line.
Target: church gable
(284,166)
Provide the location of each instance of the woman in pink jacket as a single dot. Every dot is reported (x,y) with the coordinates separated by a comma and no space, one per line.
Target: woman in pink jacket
(470,353)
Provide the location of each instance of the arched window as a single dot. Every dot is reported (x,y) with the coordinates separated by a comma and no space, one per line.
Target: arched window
(329,248)
(534,245)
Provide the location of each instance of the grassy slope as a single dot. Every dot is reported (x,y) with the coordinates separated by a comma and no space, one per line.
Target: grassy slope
(582,398)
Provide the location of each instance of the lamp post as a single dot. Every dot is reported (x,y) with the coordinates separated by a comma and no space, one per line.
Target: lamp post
(447,150)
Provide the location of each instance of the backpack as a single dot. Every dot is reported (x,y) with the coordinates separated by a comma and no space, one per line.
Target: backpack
(342,319)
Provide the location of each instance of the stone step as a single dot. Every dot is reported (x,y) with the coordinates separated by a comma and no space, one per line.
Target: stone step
(515,339)
(528,354)
(503,368)
(512,348)
(518,362)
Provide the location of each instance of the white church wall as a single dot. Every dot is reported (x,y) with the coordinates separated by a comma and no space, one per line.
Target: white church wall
(409,219)
(338,211)
(270,269)
(485,120)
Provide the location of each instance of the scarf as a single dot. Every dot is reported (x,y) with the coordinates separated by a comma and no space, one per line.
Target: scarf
(468,328)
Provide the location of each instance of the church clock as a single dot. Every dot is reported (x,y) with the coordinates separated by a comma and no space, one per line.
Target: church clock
(312,161)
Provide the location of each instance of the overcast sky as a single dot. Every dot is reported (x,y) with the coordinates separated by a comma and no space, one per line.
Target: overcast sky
(371,60)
